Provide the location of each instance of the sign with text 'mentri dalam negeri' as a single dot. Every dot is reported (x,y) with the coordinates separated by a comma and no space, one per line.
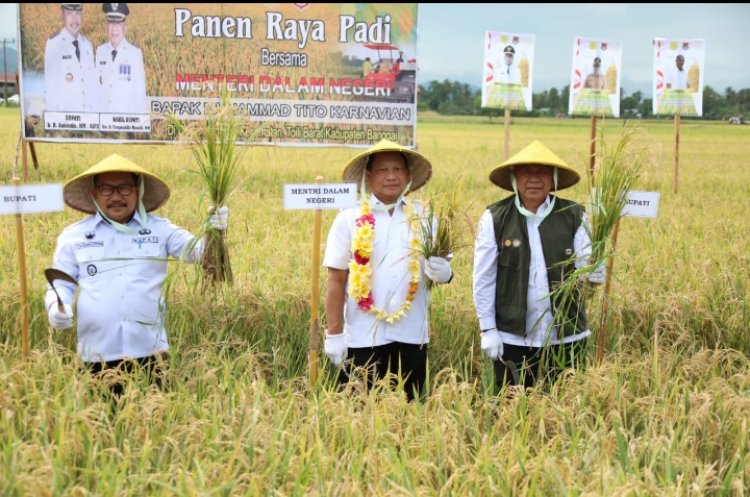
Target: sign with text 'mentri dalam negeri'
(30,199)
(297,73)
(320,196)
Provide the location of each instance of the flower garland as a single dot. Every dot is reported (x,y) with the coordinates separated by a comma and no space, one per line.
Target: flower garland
(360,268)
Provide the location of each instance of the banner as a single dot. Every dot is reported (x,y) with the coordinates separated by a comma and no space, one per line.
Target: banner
(678,76)
(595,79)
(300,74)
(508,69)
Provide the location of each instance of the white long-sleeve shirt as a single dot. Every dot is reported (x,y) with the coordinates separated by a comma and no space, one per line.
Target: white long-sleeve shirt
(123,80)
(390,279)
(70,83)
(539,328)
(120,309)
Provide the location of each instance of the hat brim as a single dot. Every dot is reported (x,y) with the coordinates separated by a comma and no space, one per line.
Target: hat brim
(77,193)
(420,168)
(535,154)
(565,177)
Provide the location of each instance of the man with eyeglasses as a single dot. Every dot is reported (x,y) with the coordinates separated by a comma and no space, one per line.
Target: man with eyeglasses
(119,257)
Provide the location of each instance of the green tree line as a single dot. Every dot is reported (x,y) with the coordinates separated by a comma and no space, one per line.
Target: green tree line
(456,98)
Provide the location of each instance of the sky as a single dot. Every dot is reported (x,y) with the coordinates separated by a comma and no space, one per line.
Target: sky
(450,38)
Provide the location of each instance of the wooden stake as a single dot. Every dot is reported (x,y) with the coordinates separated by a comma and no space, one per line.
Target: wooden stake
(592,149)
(507,134)
(605,301)
(25,160)
(22,278)
(34,159)
(315,299)
(676,152)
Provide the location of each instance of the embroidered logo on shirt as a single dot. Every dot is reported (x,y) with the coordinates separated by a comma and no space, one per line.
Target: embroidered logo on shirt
(90,235)
(91,269)
(144,231)
(145,239)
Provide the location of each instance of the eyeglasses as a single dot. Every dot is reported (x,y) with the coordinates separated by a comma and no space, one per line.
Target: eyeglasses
(108,190)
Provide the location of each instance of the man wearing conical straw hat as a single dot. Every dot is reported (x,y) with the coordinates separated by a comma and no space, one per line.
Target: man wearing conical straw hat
(526,245)
(119,256)
(376,300)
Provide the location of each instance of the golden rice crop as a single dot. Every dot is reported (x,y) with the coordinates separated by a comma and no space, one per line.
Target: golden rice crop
(665,413)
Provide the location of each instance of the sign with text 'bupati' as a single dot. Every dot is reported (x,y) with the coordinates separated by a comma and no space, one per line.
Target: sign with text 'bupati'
(641,204)
(29,199)
(323,196)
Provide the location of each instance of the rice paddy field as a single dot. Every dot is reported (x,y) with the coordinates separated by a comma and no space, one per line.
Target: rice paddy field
(665,413)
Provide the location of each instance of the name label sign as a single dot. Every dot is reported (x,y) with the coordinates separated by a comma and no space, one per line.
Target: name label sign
(320,196)
(641,204)
(29,199)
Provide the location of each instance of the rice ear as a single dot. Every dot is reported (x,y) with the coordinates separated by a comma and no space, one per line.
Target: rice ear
(213,144)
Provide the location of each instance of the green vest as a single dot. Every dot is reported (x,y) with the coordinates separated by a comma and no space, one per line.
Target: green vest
(557,232)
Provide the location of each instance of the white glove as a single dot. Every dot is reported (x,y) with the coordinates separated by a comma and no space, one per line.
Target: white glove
(219,218)
(60,320)
(438,269)
(335,348)
(492,344)
(599,275)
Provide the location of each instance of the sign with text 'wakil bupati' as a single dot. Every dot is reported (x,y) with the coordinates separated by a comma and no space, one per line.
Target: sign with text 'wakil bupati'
(323,196)
(29,199)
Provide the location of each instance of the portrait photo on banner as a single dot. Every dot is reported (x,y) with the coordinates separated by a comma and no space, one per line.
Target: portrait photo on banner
(508,70)
(595,78)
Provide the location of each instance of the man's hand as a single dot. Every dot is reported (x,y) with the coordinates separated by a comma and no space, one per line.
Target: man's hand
(219,218)
(492,344)
(60,320)
(599,275)
(438,269)
(335,348)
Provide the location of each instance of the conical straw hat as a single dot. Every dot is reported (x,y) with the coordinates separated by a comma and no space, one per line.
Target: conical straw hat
(419,167)
(77,191)
(535,154)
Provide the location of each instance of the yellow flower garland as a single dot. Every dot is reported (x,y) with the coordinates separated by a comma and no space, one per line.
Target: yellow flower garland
(360,267)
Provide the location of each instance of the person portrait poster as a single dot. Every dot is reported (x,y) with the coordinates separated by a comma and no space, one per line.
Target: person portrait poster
(678,76)
(508,85)
(595,78)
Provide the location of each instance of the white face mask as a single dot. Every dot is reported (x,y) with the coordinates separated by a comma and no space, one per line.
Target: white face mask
(525,212)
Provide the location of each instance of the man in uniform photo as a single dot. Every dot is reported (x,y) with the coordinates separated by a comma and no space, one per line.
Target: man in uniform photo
(120,66)
(70,79)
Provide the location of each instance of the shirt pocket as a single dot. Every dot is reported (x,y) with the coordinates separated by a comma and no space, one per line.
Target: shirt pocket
(90,261)
(148,258)
(509,257)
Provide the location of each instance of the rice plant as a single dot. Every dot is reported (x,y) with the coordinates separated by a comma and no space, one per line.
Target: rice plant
(213,144)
